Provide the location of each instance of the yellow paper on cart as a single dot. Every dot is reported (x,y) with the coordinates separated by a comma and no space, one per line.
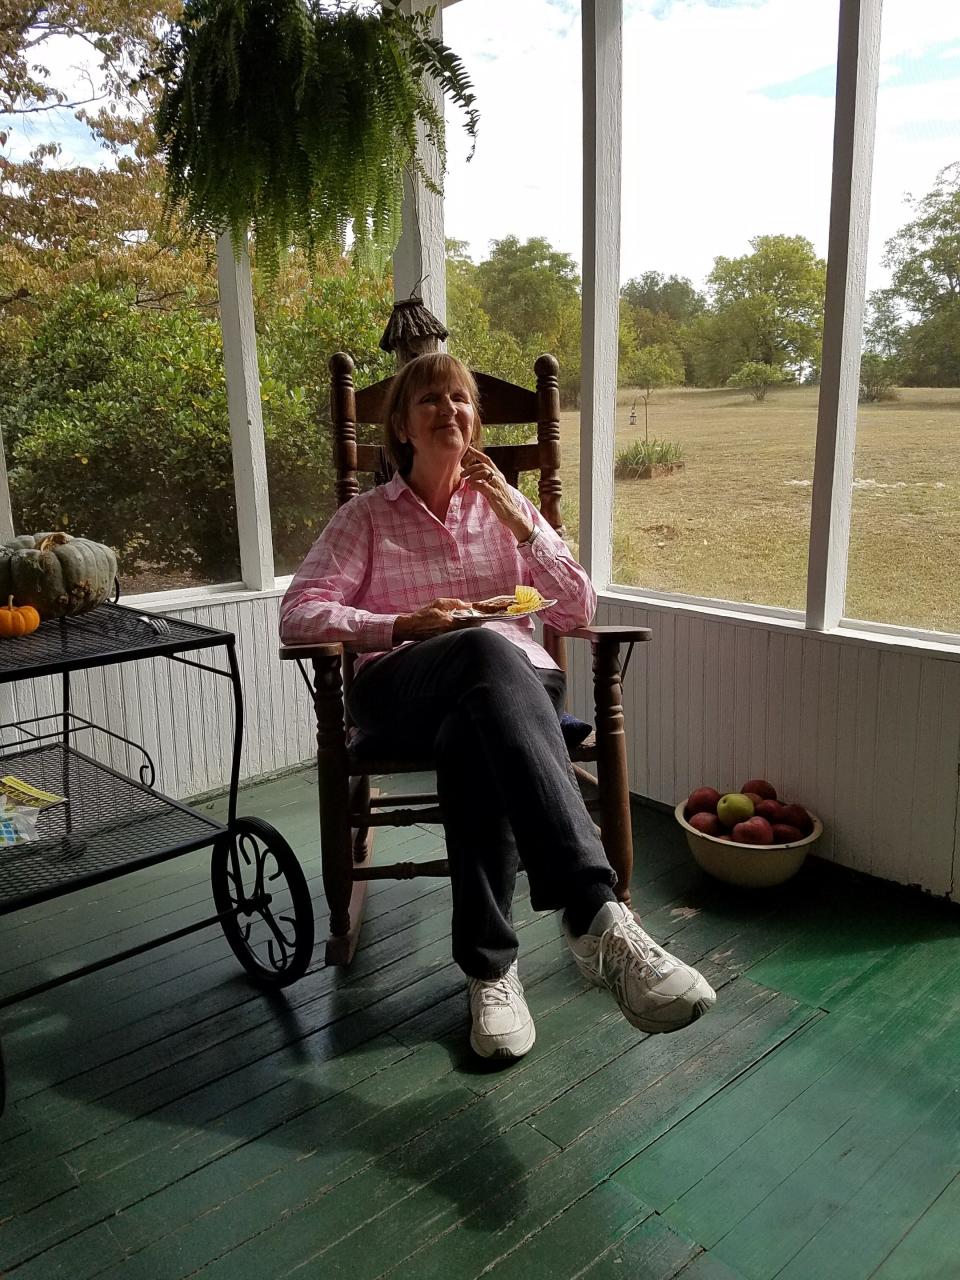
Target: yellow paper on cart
(22,793)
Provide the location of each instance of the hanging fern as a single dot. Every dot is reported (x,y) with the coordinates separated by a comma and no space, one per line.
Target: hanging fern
(297,118)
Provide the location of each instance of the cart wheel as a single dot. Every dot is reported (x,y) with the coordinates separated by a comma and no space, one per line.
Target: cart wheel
(261,892)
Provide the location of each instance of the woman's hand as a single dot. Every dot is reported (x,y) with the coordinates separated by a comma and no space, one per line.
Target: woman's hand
(481,475)
(429,620)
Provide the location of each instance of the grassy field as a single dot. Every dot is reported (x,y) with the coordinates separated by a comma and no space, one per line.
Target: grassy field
(733,524)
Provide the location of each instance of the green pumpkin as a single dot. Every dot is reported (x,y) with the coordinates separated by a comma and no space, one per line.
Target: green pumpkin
(57,574)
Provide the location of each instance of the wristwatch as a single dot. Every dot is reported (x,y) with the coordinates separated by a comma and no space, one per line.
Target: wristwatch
(531,538)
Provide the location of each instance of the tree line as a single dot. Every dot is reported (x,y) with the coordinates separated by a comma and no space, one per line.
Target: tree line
(759,315)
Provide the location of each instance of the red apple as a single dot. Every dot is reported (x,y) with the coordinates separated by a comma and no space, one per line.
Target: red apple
(795,815)
(753,831)
(703,800)
(772,810)
(784,834)
(708,823)
(755,798)
(761,787)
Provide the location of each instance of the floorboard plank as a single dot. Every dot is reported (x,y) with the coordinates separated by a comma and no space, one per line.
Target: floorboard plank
(849,1045)
(158,1011)
(647,1060)
(829,1145)
(862,1231)
(168,1120)
(515,1094)
(595,1155)
(566,1245)
(650,1251)
(930,1249)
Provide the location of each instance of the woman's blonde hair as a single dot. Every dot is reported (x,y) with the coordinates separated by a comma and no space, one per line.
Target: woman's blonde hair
(436,368)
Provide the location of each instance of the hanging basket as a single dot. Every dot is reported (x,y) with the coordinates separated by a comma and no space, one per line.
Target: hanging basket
(297,118)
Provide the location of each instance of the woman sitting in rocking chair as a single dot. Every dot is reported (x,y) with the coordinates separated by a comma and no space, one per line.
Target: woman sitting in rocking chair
(385,578)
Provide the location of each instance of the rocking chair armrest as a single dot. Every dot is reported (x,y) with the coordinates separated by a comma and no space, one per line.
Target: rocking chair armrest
(609,634)
(292,652)
(326,689)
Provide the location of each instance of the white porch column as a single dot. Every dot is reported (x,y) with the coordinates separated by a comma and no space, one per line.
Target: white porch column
(602,126)
(6,510)
(246,417)
(419,260)
(858,67)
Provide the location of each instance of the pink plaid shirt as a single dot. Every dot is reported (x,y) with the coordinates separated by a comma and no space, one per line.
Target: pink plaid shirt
(384,553)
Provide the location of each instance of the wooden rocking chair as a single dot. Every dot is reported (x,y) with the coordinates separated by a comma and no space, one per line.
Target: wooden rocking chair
(349,812)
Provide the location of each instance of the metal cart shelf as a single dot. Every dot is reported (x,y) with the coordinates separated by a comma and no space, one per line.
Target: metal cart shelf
(111,824)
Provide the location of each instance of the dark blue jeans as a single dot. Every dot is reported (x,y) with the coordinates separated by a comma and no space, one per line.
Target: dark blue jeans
(507,792)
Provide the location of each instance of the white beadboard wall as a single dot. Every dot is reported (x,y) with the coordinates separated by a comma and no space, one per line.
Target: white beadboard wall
(867,736)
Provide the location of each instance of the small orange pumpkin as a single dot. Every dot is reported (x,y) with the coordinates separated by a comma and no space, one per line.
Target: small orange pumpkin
(18,620)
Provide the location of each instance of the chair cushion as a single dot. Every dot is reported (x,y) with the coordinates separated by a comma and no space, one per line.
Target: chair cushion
(574,731)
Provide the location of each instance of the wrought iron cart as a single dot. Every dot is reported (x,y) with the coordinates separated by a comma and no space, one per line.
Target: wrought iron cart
(111,823)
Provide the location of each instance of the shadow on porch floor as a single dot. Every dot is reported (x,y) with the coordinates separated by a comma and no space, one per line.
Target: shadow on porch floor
(166,1118)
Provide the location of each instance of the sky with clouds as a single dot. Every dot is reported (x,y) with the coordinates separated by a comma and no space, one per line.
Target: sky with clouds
(72,69)
(728,123)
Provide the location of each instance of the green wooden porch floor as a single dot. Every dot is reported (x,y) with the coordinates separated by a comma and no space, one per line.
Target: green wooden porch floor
(166,1119)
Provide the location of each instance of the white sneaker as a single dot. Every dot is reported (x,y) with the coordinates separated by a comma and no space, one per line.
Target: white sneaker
(502,1026)
(655,990)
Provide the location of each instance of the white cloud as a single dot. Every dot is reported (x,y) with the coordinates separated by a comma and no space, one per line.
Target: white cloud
(525,179)
(72,68)
(77,145)
(710,157)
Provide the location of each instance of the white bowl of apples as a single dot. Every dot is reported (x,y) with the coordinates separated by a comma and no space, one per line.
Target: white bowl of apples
(747,837)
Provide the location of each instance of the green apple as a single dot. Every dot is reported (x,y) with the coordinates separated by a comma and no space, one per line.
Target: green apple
(734,807)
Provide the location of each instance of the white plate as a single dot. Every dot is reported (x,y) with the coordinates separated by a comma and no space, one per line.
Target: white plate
(470,619)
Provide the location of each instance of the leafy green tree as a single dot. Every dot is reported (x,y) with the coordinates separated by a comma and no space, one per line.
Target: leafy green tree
(929,353)
(924,260)
(878,375)
(565,345)
(529,288)
(658,308)
(627,344)
(712,350)
(473,338)
(924,255)
(65,224)
(671,296)
(654,328)
(883,328)
(756,377)
(339,309)
(123,33)
(521,301)
(117,422)
(766,308)
(653,367)
(120,433)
